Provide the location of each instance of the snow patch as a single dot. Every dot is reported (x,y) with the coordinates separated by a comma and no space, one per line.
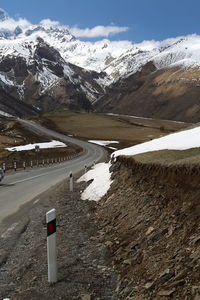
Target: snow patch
(183,140)
(2,113)
(102,142)
(47,80)
(101,176)
(52,144)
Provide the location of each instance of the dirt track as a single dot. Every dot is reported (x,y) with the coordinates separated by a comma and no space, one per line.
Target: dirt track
(85,268)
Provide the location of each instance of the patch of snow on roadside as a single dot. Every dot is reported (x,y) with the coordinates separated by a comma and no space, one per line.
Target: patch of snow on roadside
(101,176)
(182,140)
(52,144)
(2,113)
(102,142)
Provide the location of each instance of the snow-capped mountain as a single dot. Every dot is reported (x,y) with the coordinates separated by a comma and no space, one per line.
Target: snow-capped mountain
(116,58)
(45,65)
(33,71)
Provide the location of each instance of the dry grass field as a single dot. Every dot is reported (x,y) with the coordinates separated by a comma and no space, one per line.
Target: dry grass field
(170,157)
(128,130)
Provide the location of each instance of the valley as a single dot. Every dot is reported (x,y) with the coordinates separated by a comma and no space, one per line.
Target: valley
(128,130)
(122,118)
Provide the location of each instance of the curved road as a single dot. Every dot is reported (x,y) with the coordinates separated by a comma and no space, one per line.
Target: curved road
(21,187)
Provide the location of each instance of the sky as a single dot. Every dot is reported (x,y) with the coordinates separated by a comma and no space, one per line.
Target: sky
(134,20)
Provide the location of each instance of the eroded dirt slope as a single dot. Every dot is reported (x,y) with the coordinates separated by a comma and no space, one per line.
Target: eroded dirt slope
(150,219)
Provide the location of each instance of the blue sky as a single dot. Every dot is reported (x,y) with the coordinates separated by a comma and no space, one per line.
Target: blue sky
(145,19)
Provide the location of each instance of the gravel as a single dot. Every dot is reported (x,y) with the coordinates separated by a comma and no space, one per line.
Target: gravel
(85,270)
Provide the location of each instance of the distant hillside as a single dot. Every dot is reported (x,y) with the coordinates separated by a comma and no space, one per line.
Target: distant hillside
(172,93)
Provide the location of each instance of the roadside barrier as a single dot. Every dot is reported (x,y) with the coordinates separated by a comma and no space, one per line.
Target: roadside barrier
(24,164)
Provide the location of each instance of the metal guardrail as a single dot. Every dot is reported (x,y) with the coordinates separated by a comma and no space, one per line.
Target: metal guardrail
(36,163)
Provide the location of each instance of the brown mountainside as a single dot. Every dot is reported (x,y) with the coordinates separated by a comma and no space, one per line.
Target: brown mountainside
(172,93)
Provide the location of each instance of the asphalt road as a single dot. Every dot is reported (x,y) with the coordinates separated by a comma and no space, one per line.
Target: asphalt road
(21,187)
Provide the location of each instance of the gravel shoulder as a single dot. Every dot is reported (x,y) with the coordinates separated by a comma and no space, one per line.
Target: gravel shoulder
(84,262)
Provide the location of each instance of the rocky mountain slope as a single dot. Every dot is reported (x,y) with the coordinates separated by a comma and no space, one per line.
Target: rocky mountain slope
(34,77)
(46,67)
(163,82)
(35,73)
(171,94)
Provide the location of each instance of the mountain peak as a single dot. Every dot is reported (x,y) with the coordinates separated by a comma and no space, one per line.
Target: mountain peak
(3,15)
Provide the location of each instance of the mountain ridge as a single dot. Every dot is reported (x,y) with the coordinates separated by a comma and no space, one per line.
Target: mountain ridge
(45,61)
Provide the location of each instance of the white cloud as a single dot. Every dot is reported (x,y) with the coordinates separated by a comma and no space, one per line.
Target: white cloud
(97,31)
(11,24)
(49,22)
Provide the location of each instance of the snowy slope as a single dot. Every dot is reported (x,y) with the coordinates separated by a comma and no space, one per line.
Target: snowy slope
(183,140)
(101,174)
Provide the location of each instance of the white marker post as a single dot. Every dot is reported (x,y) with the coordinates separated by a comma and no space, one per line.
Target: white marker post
(15,166)
(4,167)
(24,165)
(51,246)
(71,182)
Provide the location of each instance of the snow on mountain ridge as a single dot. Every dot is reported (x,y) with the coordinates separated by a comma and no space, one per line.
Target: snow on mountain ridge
(116,58)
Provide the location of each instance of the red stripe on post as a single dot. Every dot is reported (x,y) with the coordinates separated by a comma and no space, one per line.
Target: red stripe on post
(51,227)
